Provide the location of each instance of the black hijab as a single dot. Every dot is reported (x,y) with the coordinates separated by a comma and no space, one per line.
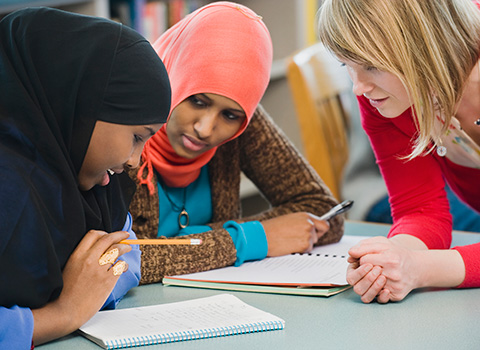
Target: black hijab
(59,74)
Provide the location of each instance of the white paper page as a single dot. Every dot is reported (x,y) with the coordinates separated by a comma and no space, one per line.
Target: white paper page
(341,247)
(296,269)
(223,310)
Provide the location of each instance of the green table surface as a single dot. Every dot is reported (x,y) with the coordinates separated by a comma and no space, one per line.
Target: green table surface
(426,319)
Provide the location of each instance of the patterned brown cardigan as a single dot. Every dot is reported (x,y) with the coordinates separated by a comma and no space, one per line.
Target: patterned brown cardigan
(265,155)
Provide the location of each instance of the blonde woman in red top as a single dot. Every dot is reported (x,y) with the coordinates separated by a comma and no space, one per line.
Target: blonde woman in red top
(414,66)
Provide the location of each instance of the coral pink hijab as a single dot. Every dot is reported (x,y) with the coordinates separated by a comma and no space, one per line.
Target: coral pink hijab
(222,48)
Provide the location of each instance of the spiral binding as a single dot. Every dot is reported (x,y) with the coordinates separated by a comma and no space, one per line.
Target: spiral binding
(194,334)
(324,255)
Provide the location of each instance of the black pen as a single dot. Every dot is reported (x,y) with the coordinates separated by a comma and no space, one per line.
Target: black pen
(338,209)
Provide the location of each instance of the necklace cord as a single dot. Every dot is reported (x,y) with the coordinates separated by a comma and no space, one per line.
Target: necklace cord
(175,207)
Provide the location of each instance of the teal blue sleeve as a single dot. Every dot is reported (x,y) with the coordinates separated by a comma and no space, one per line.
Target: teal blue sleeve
(249,239)
(129,278)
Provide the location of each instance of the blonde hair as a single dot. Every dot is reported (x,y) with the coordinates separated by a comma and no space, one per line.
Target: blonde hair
(430,45)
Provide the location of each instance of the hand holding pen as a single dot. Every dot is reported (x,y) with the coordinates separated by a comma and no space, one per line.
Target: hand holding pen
(298,232)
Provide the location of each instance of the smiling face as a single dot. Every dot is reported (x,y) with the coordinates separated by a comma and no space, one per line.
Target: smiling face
(384,90)
(112,147)
(202,122)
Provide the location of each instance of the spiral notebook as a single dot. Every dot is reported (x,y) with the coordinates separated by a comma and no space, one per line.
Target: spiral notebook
(322,272)
(216,316)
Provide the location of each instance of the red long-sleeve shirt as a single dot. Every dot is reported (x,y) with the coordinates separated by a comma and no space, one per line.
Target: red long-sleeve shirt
(416,188)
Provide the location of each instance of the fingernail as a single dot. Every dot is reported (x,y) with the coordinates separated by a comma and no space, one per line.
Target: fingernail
(109,257)
(119,268)
(368,268)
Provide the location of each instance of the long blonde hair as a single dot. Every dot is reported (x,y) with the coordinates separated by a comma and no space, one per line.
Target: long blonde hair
(430,45)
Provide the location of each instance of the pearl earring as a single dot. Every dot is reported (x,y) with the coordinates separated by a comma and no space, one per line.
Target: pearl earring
(442,151)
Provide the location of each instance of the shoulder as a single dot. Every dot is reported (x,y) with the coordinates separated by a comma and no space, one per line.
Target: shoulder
(261,128)
(14,195)
(21,170)
(261,119)
(30,197)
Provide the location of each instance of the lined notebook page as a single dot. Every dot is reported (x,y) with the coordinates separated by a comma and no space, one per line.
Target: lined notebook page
(215,316)
(324,266)
(294,270)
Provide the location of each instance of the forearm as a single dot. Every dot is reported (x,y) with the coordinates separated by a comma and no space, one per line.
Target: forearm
(437,268)
(51,323)
(217,250)
(409,241)
(440,268)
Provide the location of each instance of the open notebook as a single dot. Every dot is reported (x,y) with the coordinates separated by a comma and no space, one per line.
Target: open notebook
(319,273)
(215,316)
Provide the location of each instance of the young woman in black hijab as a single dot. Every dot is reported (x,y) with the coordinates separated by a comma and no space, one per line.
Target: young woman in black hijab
(79,97)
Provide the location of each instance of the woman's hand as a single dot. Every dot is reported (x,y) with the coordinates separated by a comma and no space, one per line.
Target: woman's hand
(86,286)
(380,267)
(293,233)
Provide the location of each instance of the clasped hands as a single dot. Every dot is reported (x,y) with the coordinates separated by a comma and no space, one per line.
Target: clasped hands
(384,269)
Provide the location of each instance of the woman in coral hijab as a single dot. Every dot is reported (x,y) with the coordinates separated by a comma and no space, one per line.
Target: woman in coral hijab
(218,59)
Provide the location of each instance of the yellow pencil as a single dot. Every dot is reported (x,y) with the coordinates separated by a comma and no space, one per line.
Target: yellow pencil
(174,241)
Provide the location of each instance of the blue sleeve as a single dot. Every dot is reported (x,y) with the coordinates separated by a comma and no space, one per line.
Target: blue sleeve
(131,277)
(16,328)
(249,239)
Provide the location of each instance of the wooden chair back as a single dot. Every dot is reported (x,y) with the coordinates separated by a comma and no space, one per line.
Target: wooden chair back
(317,81)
